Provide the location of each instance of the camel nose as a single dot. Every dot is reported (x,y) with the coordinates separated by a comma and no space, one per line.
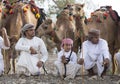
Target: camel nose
(70,13)
(78,9)
(71,9)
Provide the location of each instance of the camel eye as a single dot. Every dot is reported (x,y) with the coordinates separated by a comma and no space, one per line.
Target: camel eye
(78,8)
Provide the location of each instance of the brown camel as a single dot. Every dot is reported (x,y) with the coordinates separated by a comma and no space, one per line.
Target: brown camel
(80,26)
(64,25)
(47,31)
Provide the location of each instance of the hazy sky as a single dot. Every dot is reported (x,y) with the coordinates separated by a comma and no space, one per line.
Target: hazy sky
(91,5)
(114,3)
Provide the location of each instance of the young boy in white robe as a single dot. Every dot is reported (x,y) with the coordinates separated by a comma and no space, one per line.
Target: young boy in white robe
(66,63)
(95,54)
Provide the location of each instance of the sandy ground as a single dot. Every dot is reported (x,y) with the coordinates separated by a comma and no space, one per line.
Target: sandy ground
(51,79)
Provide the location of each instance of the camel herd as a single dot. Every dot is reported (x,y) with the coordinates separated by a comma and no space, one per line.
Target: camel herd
(71,22)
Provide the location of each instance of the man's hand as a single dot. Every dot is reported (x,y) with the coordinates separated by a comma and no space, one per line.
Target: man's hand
(39,64)
(81,61)
(63,59)
(106,62)
(33,51)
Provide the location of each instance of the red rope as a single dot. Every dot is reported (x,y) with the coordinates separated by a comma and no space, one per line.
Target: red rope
(113,15)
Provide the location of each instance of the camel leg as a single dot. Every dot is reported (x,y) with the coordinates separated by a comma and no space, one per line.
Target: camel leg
(14,56)
(6,62)
(13,64)
(77,44)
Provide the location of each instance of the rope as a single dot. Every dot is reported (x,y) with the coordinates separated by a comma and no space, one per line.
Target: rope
(115,64)
(45,71)
(43,65)
(82,64)
(64,65)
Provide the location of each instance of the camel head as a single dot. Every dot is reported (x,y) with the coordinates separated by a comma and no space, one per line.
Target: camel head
(28,14)
(78,14)
(100,19)
(99,15)
(46,32)
(102,14)
(77,9)
(46,28)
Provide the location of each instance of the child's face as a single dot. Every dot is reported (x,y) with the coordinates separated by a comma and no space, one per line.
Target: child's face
(67,47)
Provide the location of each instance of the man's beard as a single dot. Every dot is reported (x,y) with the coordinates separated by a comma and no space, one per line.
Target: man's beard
(32,36)
(96,42)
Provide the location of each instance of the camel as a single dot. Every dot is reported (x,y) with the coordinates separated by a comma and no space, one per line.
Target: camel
(47,35)
(106,21)
(20,14)
(80,26)
(47,32)
(65,27)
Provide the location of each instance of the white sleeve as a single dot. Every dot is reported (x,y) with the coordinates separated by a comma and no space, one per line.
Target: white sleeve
(117,56)
(73,58)
(43,51)
(60,54)
(84,50)
(2,45)
(105,49)
(21,46)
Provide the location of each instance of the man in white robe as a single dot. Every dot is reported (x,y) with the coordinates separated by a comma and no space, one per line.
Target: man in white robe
(33,52)
(4,44)
(67,69)
(95,52)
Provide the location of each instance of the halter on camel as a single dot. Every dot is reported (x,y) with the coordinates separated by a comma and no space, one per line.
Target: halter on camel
(114,15)
(39,14)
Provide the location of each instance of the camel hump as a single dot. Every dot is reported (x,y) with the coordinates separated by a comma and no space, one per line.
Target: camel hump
(113,13)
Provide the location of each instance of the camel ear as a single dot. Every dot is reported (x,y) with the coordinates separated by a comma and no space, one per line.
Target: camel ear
(49,21)
(82,5)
